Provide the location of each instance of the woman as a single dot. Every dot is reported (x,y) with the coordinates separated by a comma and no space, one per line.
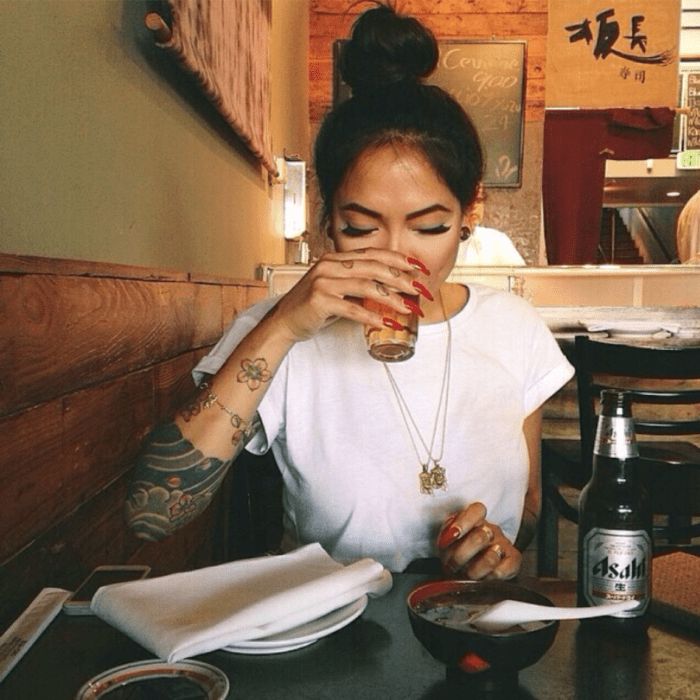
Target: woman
(438,455)
(486,246)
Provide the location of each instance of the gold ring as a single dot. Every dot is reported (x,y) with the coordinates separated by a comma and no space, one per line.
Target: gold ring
(487,531)
(499,551)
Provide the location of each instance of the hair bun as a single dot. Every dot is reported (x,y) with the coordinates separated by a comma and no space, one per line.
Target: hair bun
(387,48)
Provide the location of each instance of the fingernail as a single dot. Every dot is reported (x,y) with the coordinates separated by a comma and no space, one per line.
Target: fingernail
(391,323)
(423,290)
(418,265)
(448,536)
(413,307)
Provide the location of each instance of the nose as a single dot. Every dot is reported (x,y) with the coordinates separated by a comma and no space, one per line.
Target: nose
(397,240)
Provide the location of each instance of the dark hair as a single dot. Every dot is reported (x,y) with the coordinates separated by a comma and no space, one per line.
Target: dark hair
(383,63)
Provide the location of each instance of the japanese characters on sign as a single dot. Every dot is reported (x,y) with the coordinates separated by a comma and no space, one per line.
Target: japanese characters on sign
(691,134)
(612,53)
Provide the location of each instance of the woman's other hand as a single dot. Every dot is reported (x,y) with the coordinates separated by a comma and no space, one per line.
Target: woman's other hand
(335,286)
(470,546)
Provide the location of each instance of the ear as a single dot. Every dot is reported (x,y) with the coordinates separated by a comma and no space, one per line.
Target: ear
(474,214)
(470,218)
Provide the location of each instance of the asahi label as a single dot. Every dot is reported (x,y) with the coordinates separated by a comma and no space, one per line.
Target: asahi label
(617,567)
(615,438)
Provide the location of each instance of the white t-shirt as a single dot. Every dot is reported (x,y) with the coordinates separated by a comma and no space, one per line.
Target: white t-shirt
(337,433)
(488,246)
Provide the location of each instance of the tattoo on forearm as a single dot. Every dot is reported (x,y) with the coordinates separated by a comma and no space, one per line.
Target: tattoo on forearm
(254,373)
(194,408)
(241,428)
(206,399)
(172,483)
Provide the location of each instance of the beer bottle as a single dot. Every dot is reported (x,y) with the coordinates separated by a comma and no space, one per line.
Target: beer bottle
(615,521)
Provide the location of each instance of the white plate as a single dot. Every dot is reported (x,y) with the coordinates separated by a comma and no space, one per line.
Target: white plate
(210,680)
(630,329)
(689,332)
(304,635)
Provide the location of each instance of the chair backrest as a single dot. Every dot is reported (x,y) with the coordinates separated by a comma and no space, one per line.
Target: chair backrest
(652,375)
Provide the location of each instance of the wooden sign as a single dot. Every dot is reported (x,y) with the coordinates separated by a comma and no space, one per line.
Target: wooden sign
(488,79)
(612,53)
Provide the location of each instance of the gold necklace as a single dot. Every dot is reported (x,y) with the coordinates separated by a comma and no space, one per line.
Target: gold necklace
(430,478)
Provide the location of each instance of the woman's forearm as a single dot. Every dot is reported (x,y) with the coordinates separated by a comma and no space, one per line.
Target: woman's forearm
(528,527)
(171,484)
(182,463)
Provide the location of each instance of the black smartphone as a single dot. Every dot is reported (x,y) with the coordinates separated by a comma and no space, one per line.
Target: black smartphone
(79,602)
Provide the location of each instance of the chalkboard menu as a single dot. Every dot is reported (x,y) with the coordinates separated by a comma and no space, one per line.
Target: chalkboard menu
(488,79)
(692,124)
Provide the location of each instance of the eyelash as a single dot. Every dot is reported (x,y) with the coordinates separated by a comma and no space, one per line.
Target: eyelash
(352,231)
(443,228)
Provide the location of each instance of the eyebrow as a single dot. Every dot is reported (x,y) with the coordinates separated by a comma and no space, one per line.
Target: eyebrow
(353,206)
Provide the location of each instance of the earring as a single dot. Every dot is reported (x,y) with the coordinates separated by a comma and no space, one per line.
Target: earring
(466,232)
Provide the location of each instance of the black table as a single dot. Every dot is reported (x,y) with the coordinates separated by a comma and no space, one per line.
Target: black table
(377,656)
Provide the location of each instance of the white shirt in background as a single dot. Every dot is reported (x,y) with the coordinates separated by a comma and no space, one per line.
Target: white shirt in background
(487,246)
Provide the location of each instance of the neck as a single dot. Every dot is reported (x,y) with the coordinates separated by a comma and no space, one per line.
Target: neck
(454,297)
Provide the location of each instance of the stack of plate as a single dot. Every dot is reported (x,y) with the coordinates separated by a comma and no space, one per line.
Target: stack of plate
(304,635)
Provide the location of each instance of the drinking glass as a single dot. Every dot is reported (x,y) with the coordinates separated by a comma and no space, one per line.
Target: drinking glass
(392,344)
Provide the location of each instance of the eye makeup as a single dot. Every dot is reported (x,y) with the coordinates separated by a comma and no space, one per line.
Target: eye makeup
(350,230)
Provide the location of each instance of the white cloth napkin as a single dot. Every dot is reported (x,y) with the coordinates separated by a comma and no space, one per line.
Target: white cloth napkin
(195,612)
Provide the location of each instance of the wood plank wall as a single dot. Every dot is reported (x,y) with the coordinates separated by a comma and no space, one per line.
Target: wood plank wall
(448,19)
(517,212)
(91,357)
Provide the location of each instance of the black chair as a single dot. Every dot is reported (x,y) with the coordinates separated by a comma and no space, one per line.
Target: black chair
(254,522)
(665,404)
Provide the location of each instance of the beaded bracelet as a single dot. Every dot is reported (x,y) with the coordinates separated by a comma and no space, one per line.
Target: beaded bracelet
(243,429)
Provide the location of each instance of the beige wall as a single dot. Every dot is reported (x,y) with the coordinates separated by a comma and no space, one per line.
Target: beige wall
(108,154)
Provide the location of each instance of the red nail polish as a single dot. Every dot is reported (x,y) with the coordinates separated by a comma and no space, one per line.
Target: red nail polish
(448,536)
(391,323)
(418,265)
(413,307)
(423,290)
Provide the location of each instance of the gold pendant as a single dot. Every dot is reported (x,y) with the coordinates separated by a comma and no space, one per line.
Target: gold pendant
(426,481)
(433,479)
(439,477)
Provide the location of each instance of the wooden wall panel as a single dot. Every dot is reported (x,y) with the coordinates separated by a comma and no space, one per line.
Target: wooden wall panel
(173,384)
(62,333)
(193,312)
(94,534)
(59,454)
(91,357)
(437,7)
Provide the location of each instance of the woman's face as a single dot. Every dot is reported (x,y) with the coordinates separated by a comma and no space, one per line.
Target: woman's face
(392,198)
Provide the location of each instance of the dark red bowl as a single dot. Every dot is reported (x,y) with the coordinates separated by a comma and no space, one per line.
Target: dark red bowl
(490,661)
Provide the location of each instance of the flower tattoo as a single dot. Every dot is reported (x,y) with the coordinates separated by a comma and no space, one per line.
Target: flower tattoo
(254,373)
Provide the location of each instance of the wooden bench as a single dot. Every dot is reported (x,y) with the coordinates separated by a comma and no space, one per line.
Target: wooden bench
(92,356)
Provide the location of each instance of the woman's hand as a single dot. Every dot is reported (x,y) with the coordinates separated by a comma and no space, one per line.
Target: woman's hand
(335,286)
(472,547)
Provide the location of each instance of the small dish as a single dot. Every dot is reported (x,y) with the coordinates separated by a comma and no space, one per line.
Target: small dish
(304,635)
(198,679)
(477,661)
